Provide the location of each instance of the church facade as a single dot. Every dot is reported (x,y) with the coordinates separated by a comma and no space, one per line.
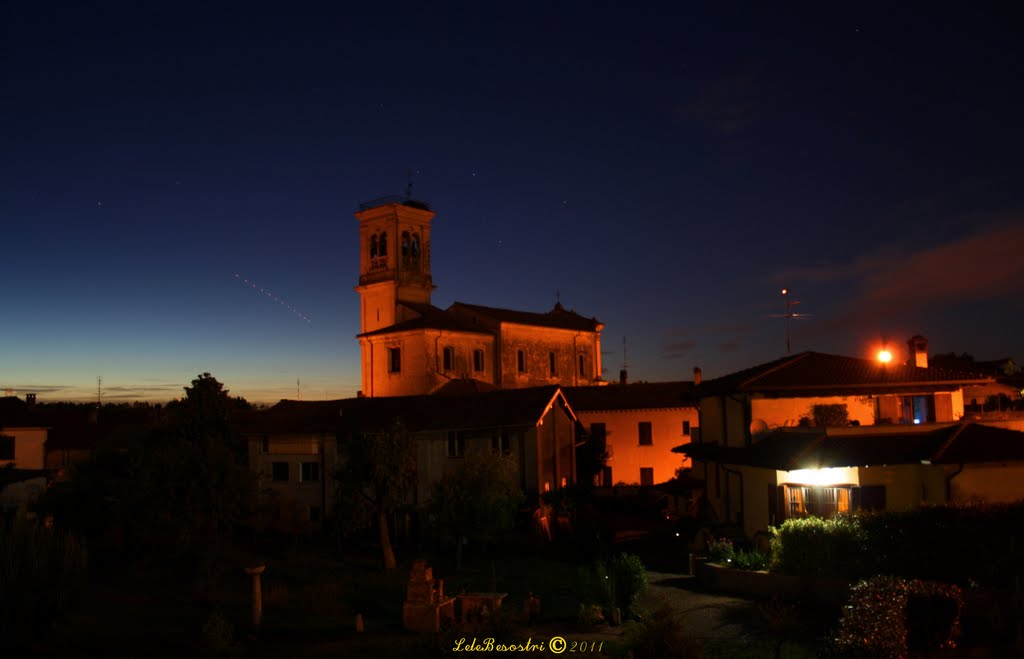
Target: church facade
(410,347)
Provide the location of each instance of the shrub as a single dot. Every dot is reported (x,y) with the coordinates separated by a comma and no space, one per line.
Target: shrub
(751,560)
(880,619)
(42,575)
(661,634)
(819,547)
(629,578)
(720,550)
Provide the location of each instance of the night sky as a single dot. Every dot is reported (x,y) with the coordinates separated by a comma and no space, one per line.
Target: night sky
(667,170)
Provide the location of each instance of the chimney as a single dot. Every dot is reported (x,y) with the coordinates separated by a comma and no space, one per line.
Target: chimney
(622,377)
(919,350)
(697,376)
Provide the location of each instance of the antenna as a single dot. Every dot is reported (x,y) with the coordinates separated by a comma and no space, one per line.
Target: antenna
(558,297)
(625,355)
(99,391)
(789,315)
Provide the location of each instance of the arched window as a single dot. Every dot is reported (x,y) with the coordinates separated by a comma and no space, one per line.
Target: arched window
(382,245)
(373,246)
(415,245)
(405,244)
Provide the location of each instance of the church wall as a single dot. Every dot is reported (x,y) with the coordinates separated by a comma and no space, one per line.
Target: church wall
(422,361)
(537,344)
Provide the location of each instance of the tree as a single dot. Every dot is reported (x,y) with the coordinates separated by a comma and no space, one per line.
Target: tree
(479,499)
(377,471)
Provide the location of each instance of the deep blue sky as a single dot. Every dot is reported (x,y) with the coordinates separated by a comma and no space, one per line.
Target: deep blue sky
(667,169)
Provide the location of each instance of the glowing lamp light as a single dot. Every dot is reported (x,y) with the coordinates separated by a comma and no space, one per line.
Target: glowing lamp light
(824,476)
(884,356)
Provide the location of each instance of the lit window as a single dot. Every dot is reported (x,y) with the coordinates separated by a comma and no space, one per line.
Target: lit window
(279,471)
(449,358)
(521,361)
(646,434)
(310,472)
(394,360)
(821,502)
(478,360)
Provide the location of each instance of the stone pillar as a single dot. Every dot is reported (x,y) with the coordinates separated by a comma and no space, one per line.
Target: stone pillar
(257,593)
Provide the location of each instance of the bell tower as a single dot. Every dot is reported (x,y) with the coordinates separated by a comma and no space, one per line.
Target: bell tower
(394,260)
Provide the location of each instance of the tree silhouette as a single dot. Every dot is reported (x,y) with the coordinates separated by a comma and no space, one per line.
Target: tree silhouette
(377,471)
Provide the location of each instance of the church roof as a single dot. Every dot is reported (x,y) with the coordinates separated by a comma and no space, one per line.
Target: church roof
(430,317)
(558,317)
(636,396)
(818,373)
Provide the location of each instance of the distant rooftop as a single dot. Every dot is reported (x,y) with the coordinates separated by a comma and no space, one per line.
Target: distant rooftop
(402,200)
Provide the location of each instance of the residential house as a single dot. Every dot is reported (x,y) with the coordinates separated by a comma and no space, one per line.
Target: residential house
(637,425)
(741,415)
(536,425)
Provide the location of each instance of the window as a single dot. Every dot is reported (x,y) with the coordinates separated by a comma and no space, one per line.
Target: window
(373,246)
(917,409)
(824,502)
(456,444)
(279,471)
(382,245)
(6,447)
(478,360)
(646,476)
(500,442)
(394,360)
(599,436)
(310,472)
(449,358)
(551,364)
(686,428)
(415,246)
(646,435)
(405,244)
(583,367)
(521,361)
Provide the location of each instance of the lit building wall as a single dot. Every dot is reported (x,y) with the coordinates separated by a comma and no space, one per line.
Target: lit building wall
(627,456)
(787,412)
(993,483)
(29,448)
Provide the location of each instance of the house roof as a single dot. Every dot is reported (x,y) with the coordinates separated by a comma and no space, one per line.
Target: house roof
(452,410)
(817,373)
(638,396)
(872,446)
(558,317)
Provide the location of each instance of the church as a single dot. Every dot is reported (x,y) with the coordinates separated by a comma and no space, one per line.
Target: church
(410,347)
